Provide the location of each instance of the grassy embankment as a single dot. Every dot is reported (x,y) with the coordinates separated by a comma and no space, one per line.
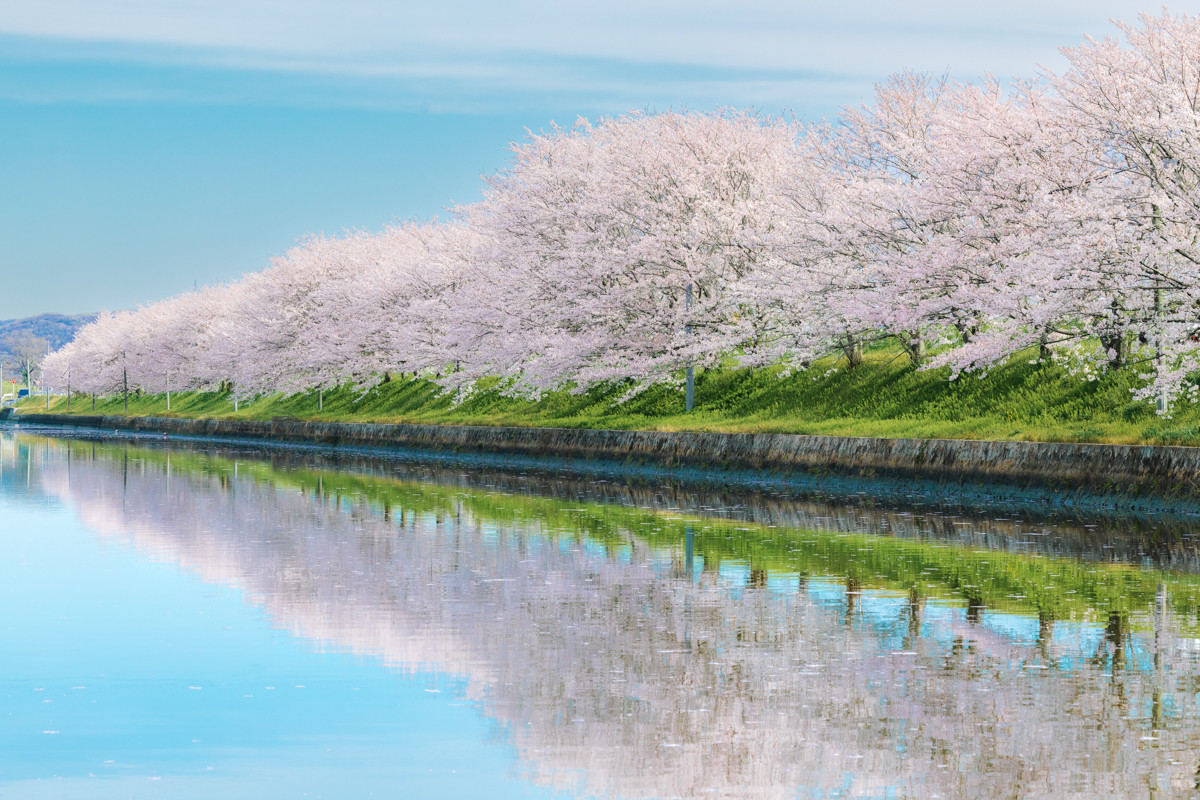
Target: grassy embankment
(886,397)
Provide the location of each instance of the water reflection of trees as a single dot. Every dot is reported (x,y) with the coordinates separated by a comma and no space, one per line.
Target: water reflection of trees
(610,676)
(1142,537)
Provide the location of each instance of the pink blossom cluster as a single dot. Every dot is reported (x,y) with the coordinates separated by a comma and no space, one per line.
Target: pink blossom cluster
(1057,217)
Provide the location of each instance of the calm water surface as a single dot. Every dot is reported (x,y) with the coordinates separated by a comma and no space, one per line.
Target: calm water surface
(220,623)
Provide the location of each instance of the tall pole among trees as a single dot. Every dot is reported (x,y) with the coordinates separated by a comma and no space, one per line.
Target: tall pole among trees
(689,391)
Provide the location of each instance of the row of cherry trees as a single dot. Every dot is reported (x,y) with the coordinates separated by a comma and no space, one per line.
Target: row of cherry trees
(967,222)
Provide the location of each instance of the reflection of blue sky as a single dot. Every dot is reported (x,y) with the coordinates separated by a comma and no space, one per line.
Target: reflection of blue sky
(157,685)
(144,672)
(885,614)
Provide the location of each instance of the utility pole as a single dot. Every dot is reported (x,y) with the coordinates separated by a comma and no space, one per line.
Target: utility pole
(689,392)
(1160,403)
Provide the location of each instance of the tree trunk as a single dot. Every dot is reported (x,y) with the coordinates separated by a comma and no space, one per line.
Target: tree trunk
(1114,344)
(966,330)
(852,349)
(915,347)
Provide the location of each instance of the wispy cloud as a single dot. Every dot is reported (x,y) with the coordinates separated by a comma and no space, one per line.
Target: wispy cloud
(36,70)
(461,55)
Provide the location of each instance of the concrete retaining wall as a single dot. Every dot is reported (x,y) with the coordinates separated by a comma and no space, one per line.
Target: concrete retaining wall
(1124,469)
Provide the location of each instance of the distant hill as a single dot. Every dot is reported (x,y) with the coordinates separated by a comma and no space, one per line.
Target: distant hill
(57,329)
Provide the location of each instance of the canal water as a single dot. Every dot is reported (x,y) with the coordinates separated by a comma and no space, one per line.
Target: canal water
(194,621)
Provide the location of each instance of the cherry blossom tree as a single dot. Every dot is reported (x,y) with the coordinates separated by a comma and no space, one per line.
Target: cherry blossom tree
(1137,101)
(592,238)
(981,221)
(389,311)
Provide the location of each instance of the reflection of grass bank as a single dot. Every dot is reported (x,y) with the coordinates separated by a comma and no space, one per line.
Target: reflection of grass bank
(884,398)
(1047,587)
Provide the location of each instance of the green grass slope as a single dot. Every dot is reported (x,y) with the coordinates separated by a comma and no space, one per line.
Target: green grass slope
(886,397)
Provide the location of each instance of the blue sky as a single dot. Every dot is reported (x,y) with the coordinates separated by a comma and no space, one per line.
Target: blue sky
(147,145)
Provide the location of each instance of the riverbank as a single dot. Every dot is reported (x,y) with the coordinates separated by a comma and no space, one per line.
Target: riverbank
(884,398)
(1114,470)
